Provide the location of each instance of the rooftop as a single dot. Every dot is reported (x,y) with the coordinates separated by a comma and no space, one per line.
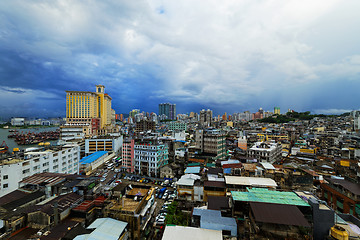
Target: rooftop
(278,214)
(268,196)
(188,179)
(218,202)
(352,187)
(93,157)
(250,181)
(105,228)
(192,170)
(212,219)
(45,178)
(180,233)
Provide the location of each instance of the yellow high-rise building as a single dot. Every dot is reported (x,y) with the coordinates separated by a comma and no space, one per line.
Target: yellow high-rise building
(89,108)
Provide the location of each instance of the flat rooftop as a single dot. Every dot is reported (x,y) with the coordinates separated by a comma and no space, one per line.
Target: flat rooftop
(180,233)
(138,192)
(250,181)
(268,196)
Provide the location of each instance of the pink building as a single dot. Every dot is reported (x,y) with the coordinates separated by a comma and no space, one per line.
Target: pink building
(128,155)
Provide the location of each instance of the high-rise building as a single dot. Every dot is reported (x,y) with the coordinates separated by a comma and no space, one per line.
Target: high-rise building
(149,157)
(224,117)
(211,142)
(89,109)
(205,117)
(276,110)
(167,111)
(133,112)
(128,155)
(144,125)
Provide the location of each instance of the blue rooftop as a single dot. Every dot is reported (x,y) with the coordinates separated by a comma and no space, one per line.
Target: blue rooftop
(212,219)
(192,170)
(93,157)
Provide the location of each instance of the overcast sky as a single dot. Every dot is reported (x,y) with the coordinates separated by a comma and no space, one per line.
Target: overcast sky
(229,56)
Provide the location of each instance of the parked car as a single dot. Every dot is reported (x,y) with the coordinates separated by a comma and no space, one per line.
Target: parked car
(165,196)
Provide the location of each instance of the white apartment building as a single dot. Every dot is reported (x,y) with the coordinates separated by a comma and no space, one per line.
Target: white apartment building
(17,121)
(266,151)
(149,157)
(63,159)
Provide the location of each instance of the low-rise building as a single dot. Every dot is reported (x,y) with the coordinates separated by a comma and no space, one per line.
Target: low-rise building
(266,151)
(214,188)
(112,144)
(189,188)
(177,126)
(106,228)
(63,159)
(212,219)
(92,162)
(342,195)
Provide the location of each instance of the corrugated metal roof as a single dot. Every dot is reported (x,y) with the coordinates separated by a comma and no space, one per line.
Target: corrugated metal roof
(278,214)
(230,161)
(48,178)
(268,196)
(267,165)
(192,170)
(212,219)
(188,179)
(105,229)
(93,157)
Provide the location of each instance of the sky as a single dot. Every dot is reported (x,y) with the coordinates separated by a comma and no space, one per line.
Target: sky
(228,56)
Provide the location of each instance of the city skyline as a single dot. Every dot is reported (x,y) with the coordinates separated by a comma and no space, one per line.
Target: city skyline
(198,55)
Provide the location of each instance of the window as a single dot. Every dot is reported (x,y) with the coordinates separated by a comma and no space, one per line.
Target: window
(5,185)
(26,171)
(6,177)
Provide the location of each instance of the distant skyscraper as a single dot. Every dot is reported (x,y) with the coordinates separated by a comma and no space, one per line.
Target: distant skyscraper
(276,110)
(133,112)
(205,117)
(168,110)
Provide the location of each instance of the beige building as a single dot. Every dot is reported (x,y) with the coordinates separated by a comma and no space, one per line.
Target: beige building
(92,110)
(211,142)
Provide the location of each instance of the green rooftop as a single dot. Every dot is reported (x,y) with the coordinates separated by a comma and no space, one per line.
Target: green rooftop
(210,165)
(193,164)
(267,196)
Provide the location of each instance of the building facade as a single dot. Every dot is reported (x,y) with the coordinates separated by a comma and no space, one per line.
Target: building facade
(90,109)
(168,110)
(277,110)
(58,160)
(103,144)
(174,126)
(144,125)
(211,142)
(127,163)
(149,157)
(205,117)
(266,151)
